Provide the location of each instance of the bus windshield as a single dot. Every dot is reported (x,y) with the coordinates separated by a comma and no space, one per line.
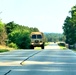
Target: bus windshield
(39,36)
(33,36)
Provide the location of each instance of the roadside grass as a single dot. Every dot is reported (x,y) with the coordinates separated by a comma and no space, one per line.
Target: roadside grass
(74,50)
(47,43)
(62,46)
(4,48)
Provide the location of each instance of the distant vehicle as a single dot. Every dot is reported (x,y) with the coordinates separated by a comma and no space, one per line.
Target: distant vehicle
(37,40)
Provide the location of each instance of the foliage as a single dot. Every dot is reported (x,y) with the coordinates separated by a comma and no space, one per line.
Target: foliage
(3,50)
(10,27)
(34,29)
(12,45)
(61,44)
(21,38)
(70,27)
(3,34)
(19,34)
(54,37)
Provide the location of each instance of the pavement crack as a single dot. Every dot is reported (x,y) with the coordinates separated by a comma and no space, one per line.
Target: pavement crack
(29,57)
(7,72)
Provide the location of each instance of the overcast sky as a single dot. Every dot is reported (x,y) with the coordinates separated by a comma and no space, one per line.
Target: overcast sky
(46,15)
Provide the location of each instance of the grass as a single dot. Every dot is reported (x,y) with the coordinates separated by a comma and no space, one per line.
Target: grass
(4,48)
(62,46)
(47,43)
(74,50)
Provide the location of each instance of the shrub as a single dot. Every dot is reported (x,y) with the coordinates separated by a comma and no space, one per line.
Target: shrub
(61,44)
(20,38)
(13,45)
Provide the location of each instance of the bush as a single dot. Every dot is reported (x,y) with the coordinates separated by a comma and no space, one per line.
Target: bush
(20,38)
(61,44)
(13,45)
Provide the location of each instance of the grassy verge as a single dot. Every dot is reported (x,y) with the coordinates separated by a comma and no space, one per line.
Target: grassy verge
(3,50)
(62,46)
(47,43)
(74,50)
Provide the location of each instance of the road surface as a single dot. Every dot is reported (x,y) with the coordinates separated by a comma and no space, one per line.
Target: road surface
(50,61)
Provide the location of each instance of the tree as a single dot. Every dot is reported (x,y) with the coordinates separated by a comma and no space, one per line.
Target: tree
(20,38)
(53,37)
(19,35)
(10,27)
(34,29)
(70,27)
(3,35)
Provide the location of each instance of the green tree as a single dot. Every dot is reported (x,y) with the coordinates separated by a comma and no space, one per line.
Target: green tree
(70,27)
(19,35)
(20,38)
(53,37)
(10,27)
(34,29)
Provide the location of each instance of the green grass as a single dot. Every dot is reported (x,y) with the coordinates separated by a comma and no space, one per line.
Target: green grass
(62,47)
(74,50)
(46,43)
(3,50)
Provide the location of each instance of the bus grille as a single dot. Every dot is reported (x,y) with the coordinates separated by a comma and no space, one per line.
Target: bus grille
(36,41)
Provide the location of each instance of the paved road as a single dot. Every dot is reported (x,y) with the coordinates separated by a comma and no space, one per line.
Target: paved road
(38,62)
(52,46)
(9,60)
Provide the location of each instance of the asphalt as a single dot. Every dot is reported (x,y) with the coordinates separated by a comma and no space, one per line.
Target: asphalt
(53,61)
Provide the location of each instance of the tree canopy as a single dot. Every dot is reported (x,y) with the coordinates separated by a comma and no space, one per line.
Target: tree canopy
(69,26)
(54,37)
(19,35)
(15,35)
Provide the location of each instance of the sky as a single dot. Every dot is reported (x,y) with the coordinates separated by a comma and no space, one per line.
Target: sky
(46,15)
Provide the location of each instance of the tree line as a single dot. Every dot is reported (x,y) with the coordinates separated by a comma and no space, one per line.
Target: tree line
(69,27)
(54,37)
(15,35)
(18,36)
